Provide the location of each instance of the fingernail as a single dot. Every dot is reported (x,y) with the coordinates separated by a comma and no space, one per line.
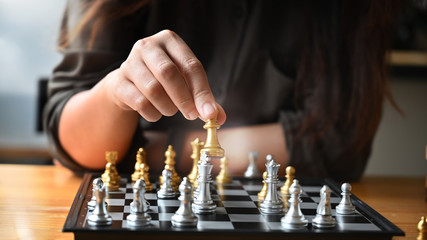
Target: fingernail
(193,115)
(208,109)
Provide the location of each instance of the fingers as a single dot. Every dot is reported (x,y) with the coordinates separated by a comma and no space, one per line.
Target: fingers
(165,76)
(193,74)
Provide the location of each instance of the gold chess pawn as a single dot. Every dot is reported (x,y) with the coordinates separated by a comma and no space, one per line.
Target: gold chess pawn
(212,146)
(284,190)
(111,177)
(142,169)
(223,176)
(422,228)
(290,175)
(263,192)
(196,146)
(170,165)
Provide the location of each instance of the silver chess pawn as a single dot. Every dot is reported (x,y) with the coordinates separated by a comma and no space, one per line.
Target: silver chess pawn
(345,207)
(100,216)
(203,203)
(138,207)
(324,217)
(184,216)
(166,190)
(252,170)
(271,204)
(294,219)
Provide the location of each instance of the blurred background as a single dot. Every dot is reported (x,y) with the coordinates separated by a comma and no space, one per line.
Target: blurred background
(28,34)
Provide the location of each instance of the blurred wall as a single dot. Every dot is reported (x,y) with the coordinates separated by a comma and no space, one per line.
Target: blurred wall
(28,34)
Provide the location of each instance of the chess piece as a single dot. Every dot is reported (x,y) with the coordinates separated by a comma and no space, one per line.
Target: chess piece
(170,165)
(137,174)
(138,207)
(290,175)
(100,216)
(294,218)
(284,190)
(97,183)
(142,169)
(271,203)
(196,146)
(203,203)
(345,207)
(212,147)
(223,176)
(111,177)
(263,191)
(184,216)
(422,225)
(166,190)
(252,170)
(324,219)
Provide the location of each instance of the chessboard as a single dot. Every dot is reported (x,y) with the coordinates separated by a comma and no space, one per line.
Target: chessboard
(237,215)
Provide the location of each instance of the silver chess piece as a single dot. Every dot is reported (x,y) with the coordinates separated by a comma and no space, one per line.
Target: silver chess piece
(100,216)
(166,190)
(96,182)
(203,203)
(271,204)
(138,207)
(184,216)
(294,218)
(324,217)
(252,170)
(345,207)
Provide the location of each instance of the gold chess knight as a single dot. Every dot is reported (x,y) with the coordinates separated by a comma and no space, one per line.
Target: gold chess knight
(170,165)
(142,169)
(111,177)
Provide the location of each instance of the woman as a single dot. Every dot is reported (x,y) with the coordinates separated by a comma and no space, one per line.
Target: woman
(302,81)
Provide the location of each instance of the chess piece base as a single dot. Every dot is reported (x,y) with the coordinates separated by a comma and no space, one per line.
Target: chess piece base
(138,219)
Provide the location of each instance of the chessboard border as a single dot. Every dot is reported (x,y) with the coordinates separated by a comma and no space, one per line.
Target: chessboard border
(388,228)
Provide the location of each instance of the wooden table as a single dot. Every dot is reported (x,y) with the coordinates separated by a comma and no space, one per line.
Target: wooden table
(34,201)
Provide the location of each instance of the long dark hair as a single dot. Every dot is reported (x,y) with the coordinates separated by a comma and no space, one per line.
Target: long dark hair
(342,65)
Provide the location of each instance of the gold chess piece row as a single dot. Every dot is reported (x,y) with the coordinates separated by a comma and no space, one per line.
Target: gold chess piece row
(211,147)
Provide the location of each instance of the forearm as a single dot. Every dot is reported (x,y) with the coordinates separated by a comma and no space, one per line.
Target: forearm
(238,142)
(91,124)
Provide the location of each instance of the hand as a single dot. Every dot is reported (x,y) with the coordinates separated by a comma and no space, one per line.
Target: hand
(161,76)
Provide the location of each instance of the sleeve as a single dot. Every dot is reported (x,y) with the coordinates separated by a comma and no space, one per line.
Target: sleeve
(81,68)
(328,156)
